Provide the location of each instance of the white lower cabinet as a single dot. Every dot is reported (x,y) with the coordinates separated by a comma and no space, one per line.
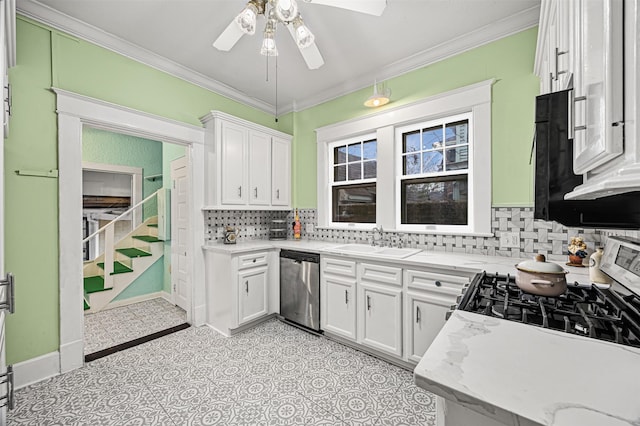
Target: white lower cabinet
(338,306)
(252,294)
(425,315)
(380,317)
(239,288)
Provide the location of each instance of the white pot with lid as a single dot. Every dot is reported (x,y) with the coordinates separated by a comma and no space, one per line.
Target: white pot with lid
(540,277)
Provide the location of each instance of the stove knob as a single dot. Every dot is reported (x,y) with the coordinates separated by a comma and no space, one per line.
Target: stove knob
(448,315)
(459,299)
(453,307)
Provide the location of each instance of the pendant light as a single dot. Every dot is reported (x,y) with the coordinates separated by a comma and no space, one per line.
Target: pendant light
(378,98)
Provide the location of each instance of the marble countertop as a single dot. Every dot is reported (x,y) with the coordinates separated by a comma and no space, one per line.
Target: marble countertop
(517,373)
(467,263)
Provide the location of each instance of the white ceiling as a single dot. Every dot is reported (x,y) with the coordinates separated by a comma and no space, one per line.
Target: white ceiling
(357,48)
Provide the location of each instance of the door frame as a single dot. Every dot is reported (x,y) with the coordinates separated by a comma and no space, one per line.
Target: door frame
(75,111)
(174,263)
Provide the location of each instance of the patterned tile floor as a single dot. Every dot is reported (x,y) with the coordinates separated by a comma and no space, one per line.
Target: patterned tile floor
(273,374)
(108,328)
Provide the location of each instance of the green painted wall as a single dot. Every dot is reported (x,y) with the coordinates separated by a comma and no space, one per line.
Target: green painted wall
(47,58)
(509,61)
(150,282)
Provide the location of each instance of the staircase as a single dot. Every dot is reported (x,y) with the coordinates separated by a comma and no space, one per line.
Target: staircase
(132,255)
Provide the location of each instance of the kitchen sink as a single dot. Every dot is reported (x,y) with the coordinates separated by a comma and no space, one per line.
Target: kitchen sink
(389,252)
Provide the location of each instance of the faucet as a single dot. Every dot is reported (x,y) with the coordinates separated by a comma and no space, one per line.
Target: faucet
(376,230)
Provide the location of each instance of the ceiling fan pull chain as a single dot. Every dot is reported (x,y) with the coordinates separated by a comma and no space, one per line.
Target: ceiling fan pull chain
(276,89)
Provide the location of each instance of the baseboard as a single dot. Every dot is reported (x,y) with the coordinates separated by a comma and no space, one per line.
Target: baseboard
(34,370)
(199,316)
(136,299)
(167,296)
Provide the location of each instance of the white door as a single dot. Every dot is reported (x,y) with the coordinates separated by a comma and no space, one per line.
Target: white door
(425,316)
(280,172)
(338,306)
(180,233)
(252,294)
(259,168)
(233,159)
(380,318)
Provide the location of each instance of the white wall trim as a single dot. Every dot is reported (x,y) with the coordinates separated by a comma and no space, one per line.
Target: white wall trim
(508,26)
(74,112)
(136,299)
(36,369)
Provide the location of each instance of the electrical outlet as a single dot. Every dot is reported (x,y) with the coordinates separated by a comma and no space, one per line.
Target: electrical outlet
(220,232)
(309,228)
(509,239)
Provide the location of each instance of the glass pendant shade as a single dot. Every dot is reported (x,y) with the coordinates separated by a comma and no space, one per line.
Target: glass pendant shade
(246,20)
(304,36)
(286,10)
(269,47)
(377,99)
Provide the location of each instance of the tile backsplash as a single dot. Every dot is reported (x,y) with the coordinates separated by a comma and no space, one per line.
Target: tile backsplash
(536,236)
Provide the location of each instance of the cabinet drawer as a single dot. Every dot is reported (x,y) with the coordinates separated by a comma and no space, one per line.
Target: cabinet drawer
(345,268)
(381,274)
(251,260)
(434,282)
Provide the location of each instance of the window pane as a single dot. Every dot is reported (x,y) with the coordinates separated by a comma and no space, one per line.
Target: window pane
(431,161)
(340,155)
(435,201)
(355,152)
(355,171)
(370,169)
(432,138)
(370,150)
(354,203)
(457,133)
(339,173)
(411,141)
(411,164)
(458,158)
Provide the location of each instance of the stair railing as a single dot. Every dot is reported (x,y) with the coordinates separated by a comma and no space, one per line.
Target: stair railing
(109,240)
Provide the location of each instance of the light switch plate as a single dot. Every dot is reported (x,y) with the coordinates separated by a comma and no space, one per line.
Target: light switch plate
(509,239)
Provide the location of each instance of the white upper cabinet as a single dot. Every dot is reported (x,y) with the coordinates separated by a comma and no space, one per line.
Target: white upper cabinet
(248,166)
(592,47)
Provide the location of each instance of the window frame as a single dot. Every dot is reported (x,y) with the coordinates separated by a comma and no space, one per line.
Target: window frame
(475,99)
(469,172)
(332,183)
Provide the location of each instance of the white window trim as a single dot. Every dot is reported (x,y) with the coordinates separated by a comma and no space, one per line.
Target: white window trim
(332,183)
(475,98)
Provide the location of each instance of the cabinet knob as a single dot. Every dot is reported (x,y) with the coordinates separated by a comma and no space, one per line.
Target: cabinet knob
(254,260)
(438,284)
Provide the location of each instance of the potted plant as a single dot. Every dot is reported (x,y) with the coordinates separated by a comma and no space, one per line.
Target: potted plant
(577,251)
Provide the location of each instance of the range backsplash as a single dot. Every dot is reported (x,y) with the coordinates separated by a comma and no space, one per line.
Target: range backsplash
(536,236)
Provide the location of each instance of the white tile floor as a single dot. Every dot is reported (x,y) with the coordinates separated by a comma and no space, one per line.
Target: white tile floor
(111,327)
(273,374)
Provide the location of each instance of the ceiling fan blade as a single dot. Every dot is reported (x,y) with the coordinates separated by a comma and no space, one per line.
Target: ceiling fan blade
(371,7)
(310,54)
(228,38)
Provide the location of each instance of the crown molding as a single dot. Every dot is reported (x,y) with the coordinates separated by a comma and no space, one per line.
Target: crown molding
(62,22)
(487,34)
(505,27)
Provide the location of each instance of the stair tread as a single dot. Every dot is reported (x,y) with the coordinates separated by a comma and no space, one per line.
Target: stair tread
(94,284)
(133,252)
(118,268)
(146,238)
(152,225)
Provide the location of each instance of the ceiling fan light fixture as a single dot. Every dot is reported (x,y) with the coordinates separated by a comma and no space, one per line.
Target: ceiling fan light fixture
(378,98)
(286,10)
(304,36)
(246,19)
(269,47)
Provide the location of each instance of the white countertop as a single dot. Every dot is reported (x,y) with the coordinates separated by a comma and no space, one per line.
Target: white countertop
(498,367)
(470,263)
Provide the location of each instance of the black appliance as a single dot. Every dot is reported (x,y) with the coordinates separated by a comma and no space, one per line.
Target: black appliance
(554,175)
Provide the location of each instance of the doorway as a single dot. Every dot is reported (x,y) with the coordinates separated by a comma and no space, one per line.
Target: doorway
(74,112)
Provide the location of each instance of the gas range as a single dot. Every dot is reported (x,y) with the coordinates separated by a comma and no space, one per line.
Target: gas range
(610,314)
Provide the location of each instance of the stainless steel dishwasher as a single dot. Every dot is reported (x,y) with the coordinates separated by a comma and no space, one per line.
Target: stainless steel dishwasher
(300,288)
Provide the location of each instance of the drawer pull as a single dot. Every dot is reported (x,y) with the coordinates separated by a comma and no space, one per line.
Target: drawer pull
(246,286)
(277,194)
(368,303)
(438,284)
(417,314)
(240,191)
(255,191)
(346,297)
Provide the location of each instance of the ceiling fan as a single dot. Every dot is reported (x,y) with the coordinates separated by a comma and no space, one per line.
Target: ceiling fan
(286,12)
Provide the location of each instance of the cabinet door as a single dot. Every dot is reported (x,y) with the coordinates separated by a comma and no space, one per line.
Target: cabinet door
(338,306)
(233,158)
(280,172)
(380,318)
(425,317)
(252,294)
(598,83)
(259,168)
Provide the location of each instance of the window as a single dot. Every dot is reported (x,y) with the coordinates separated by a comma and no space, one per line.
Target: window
(353,184)
(425,166)
(434,176)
